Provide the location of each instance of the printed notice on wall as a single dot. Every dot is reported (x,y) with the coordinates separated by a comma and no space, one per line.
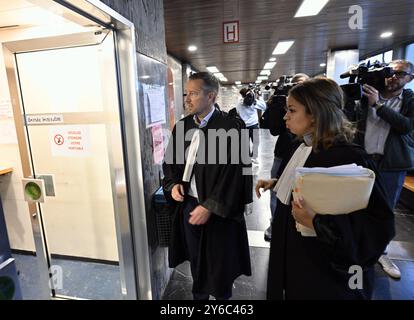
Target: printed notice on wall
(70,141)
(157,144)
(154,104)
(7,127)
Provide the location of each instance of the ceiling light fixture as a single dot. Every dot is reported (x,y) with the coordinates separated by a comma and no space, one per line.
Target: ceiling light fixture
(265,73)
(310,8)
(269,65)
(272,59)
(322,65)
(283,46)
(386,34)
(212,69)
(192,48)
(237,82)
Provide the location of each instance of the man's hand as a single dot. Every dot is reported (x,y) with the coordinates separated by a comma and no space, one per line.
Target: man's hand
(199,215)
(303,214)
(265,185)
(177,192)
(371,93)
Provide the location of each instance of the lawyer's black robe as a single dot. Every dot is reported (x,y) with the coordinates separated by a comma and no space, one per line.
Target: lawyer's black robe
(317,267)
(224,190)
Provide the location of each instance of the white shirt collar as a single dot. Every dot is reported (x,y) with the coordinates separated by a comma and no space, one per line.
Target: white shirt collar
(204,122)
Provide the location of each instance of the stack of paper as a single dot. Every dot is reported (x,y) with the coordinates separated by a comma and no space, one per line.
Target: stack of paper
(334,190)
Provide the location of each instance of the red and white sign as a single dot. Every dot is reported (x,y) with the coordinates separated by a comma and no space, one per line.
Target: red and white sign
(231,32)
(70,141)
(59,140)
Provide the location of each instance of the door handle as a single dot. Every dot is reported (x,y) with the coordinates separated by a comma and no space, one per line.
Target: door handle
(120,183)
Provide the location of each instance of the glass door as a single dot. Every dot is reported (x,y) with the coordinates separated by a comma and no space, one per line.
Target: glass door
(71,110)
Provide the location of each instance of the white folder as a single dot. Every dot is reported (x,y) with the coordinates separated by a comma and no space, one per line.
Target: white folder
(335,190)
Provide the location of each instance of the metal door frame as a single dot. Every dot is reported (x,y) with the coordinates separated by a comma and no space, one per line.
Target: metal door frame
(131,221)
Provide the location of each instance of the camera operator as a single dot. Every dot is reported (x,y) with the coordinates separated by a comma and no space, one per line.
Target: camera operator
(249,109)
(277,127)
(385,122)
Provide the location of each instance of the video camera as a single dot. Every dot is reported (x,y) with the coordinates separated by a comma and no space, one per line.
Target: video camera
(373,75)
(282,86)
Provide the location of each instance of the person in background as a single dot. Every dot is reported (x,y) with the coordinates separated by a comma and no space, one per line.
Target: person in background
(385,123)
(277,127)
(249,110)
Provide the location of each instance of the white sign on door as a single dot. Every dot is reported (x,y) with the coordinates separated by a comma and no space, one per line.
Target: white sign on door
(70,141)
(33,119)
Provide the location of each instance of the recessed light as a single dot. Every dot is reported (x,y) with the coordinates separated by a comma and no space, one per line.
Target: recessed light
(310,8)
(283,46)
(192,48)
(322,65)
(269,65)
(212,69)
(237,82)
(272,59)
(262,78)
(386,34)
(265,73)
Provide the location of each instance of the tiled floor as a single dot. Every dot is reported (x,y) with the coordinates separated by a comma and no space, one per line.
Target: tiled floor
(401,250)
(81,280)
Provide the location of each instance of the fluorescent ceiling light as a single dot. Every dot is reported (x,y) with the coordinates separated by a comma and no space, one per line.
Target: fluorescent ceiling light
(272,59)
(192,48)
(323,65)
(310,8)
(224,79)
(237,82)
(219,75)
(212,69)
(386,34)
(283,46)
(258,81)
(269,65)
(265,73)
(262,78)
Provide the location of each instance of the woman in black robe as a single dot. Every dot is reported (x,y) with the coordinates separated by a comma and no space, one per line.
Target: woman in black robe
(339,262)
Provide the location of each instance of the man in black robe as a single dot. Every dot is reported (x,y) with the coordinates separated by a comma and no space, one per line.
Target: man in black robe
(208,193)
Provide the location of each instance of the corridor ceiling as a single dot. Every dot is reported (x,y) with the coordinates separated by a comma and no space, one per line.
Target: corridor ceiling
(263,23)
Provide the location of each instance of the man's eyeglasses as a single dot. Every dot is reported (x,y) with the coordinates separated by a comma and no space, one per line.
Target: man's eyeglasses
(401,74)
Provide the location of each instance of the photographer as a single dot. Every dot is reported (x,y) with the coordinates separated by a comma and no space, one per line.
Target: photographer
(277,127)
(385,123)
(249,111)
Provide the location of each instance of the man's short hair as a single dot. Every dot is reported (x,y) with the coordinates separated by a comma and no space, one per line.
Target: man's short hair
(210,82)
(298,76)
(407,64)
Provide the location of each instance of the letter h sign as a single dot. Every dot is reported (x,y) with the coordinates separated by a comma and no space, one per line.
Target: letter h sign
(231,32)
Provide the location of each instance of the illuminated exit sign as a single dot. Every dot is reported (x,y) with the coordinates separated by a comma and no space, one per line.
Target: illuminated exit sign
(231,32)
